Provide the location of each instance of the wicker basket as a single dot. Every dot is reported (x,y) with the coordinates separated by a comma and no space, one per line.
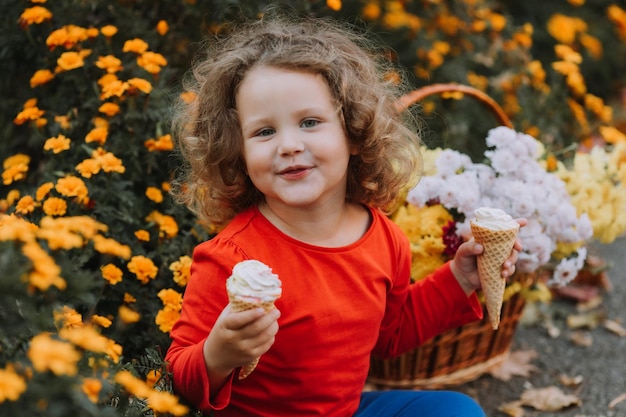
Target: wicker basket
(462,354)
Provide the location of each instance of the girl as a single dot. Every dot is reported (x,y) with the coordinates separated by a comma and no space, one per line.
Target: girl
(295,151)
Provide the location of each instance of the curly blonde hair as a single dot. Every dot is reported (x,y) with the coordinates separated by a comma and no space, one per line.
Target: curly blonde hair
(213,181)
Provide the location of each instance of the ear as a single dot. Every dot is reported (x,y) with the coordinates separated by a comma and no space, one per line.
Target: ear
(354,150)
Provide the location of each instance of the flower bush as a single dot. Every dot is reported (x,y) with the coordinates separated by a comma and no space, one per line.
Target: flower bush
(95,254)
(512,179)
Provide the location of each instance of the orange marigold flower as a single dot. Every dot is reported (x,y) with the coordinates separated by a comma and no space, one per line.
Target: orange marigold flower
(171,298)
(497,21)
(67,317)
(371,11)
(97,134)
(164,402)
(43,190)
(111,247)
(134,385)
(565,67)
(12,385)
(72,186)
(566,53)
(138,46)
(143,268)
(114,88)
(142,235)
(167,224)
(92,32)
(139,84)
(109,63)
(34,15)
(108,30)
(564,28)
(182,270)
(162,27)
(612,134)
(67,36)
(88,168)
(334,4)
(152,377)
(592,44)
(29,113)
(166,317)
(57,144)
(154,194)
(110,109)
(91,387)
(69,61)
(86,337)
(110,163)
(41,77)
(112,274)
(576,83)
(15,168)
(55,206)
(16,228)
(101,321)
(151,62)
(25,205)
(128,315)
(163,143)
(128,298)
(188,96)
(617,15)
(48,354)
(63,121)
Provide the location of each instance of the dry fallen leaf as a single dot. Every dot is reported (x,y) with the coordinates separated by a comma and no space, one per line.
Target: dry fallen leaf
(516,364)
(548,399)
(589,319)
(615,327)
(581,339)
(571,381)
(512,409)
(617,400)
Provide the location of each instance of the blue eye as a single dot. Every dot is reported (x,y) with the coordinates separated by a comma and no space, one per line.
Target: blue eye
(309,123)
(265,132)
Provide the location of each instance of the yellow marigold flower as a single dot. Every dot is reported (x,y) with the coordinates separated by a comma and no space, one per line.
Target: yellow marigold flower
(92,32)
(162,143)
(18,159)
(166,317)
(48,354)
(91,387)
(60,238)
(109,63)
(110,109)
(41,77)
(67,36)
(143,268)
(171,298)
(188,96)
(371,11)
(72,186)
(142,235)
(152,377)
(538,73)
(562,28)
(12,385)
(88,168)
(86,337)
(43,190)
(114,88)
(63,121)
(592,44)
(14,173)
(151,62)
(138,46)
(164,402)
(128,315)
(13,196)
(566,53)
(162,27)
(112,274)
(67,317)
(134,385)
(25,205)
(57,144)
(110,163)
(55,206)
(111,247)
(128,298)
(154,194)
(166,186)
(576,83)
(34,15)
(579,113)
(167,224)
(101,321)
(108,30)
(617,15)
(139,84)
(182,270)
(114,351)
(334,5)
(612,134)
(565,67)
(97,134)
(497,21)
(69,61)
(29,113)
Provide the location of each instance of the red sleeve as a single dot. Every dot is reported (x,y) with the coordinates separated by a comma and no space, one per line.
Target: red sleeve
(418,311)
(205,298)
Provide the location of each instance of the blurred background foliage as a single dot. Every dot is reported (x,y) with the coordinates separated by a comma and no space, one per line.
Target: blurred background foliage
(556,67)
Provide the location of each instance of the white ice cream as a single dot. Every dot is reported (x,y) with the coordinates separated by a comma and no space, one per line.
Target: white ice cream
(252,278)
(495,219)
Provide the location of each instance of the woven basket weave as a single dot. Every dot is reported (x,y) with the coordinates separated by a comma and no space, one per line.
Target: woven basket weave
(465,353)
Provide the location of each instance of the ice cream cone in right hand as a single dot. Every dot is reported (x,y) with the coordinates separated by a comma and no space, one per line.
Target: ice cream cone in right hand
(252,285)
(496,232)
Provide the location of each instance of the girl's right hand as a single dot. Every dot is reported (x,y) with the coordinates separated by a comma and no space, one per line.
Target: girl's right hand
(237,338)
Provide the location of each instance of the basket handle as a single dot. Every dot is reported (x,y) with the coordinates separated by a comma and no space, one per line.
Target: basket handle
(419,94)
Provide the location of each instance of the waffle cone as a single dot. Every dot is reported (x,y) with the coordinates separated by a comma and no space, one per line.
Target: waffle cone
(238,304)
(497,246)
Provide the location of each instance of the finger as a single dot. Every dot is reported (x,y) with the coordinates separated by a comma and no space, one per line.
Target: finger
(236,320)
(522,221)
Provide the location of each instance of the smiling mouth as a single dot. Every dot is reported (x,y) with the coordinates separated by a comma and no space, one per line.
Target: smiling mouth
(293,172)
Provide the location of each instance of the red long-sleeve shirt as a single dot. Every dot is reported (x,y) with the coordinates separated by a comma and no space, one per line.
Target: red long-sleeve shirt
(338,306)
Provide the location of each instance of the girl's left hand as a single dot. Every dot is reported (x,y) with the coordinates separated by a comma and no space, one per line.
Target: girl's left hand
(464,265)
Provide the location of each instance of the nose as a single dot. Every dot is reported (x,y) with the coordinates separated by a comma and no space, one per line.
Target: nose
(290,142)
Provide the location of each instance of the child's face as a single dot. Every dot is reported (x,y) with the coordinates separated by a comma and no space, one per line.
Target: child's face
(295,148)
